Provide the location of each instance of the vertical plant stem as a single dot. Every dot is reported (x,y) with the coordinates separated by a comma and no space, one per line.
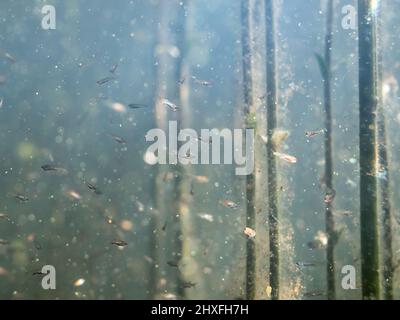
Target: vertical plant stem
(329,220)
(181,196)
(385,207)
(250,179)
(368,160)
(384,167)
(160,117)
(271,89)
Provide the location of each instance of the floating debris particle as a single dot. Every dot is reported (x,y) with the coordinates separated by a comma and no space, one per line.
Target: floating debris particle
(268,291)
(353,160)
(279,136)
(39,273)
(74,195)
(206,216)
(330,196)
(105,80)
(139,206)
(126,225)
(3,271)
(285,157)
(229,204)
(148,259)
(168,176)
(312,134)
(263,138)
(119,243)
(169,296)
(164,227)
(321,237)
(109,220)
(320,241)
(249,232)
(79,282)
(351,183)
(344,213)
(117,107)
(201,179)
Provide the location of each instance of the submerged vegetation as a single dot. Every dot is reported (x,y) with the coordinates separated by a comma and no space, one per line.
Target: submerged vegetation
(316,217)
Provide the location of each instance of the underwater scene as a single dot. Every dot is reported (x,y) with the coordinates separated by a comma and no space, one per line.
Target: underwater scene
(197,149)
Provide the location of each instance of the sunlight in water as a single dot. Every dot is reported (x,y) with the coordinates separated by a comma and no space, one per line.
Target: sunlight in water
(375,5)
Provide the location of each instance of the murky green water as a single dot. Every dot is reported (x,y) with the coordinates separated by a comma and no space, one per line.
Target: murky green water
(82,86)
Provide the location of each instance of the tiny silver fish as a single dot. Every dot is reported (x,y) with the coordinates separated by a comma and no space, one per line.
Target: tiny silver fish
(4,242)
(21,197)
(313,293)
(312,134)
(50,167)
(119,243)
(229,204)
(114,68)
(203,83)
(188,284)
(105,80)
(170,104)
(118,139)
(93,188)
(137,106)
(9,57)
(304,264)
(173,264)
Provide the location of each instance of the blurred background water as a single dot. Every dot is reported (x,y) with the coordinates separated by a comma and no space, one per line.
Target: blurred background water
(53,112)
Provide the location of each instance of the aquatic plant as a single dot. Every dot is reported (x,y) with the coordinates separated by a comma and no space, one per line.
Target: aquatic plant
(160,118)
(271,99)
(368,160)
(384,167)
(250,179)
(325,65)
